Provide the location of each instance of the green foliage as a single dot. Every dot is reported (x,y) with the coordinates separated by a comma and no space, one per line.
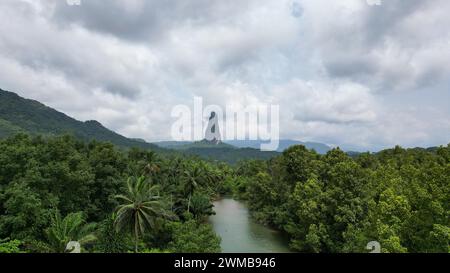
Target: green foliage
(201,206)
(193,237)
(439,239)
(154,251)
(140,209)
(109,240)
(81,180)
(24,214)
(229,154)
(73,227)
(325,203)
(334,203)
(9,129)
(9,247)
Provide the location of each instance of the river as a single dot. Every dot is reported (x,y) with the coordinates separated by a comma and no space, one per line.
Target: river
(240,233)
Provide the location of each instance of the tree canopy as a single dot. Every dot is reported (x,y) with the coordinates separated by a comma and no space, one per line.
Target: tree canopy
(59,189)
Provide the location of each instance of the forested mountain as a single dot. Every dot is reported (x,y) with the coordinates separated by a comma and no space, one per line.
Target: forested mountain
(20,115)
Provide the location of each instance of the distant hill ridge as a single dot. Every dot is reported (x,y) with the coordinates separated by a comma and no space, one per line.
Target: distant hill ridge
(283,145)
(253,144)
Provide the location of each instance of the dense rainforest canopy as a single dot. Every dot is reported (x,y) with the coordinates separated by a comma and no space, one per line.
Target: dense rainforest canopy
(59,189)
(334,203)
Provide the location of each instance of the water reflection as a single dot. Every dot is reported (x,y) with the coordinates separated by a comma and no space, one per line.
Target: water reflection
(240,233)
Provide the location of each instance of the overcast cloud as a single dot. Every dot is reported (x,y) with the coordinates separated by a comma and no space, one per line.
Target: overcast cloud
(345,73)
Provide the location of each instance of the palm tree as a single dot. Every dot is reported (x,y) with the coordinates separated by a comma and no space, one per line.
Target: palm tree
(193,178)
(72,228)
(153,165)
(140,209)
(201,206)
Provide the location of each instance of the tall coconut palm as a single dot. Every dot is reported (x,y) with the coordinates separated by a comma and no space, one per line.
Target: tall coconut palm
(140,209)
(201,206)
(153,165)
(193,178)
(72,228)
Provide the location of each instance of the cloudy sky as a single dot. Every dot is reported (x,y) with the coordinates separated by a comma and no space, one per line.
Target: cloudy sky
(361,74)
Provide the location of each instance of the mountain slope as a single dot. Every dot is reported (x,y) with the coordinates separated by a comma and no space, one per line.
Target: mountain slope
(19,115)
